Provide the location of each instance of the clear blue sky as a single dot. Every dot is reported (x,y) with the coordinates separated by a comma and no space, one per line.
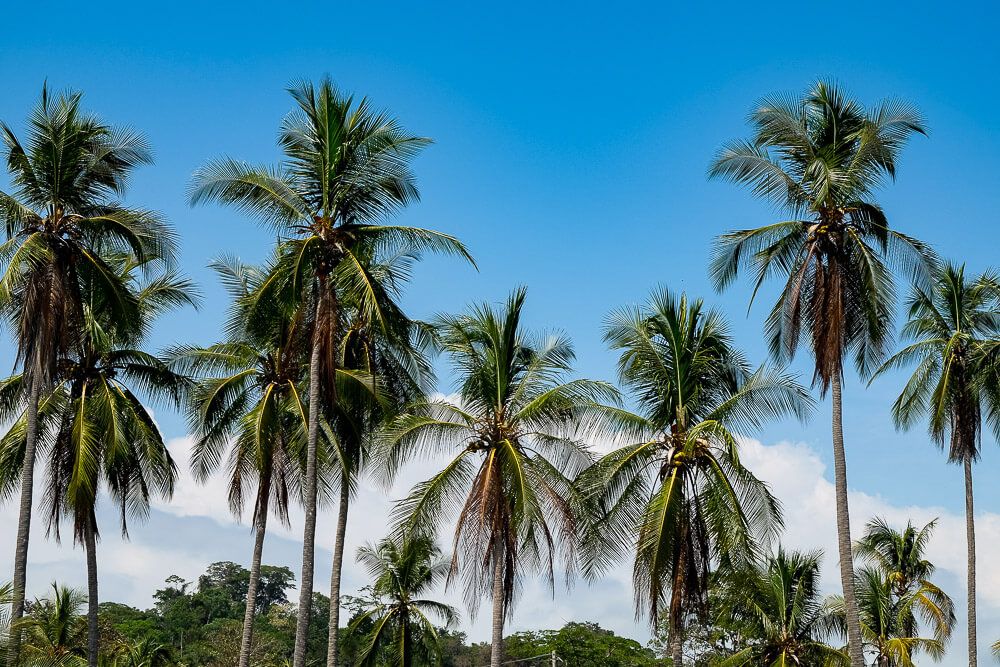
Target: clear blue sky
(571,145)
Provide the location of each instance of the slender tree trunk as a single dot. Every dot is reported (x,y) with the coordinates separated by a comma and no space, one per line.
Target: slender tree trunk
(24,518)
(676,620)
(496,649)
(309,533)
(260,529)
(90,544)
(970,536)
(333,648)
(325,312)
(854,642)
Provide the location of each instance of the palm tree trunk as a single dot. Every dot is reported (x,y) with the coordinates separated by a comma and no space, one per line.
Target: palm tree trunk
(333,648)
(309,532)
(854,645)
(24,518)
(676,620)
(496,650)
(260,528)
(325,312)
(90,544)
(970,536)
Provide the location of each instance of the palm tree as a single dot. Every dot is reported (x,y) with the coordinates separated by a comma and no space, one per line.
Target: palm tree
(679,495)
(346,168)
(900,558)
(391,358)
(821,158)
(143,653)
(885,620)
(55,633)
(61,219)
(777,605)
(513,434)
(248,399)
(97,430)
(951,325)
(401,618)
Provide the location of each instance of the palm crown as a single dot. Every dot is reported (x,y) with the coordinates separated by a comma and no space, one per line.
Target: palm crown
(403,573)
(514,432)
(679,495)
(821,158)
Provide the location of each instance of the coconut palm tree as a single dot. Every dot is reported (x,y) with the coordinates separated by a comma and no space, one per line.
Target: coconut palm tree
(143,653)
(97,430)
(777,606)
(885,620)
(247,399)
(678,495)
(513,439)
(392,358)
(403,572)
(951,326)
(821,158)
(55,633)
(61,218)
(900,556)
(346,168)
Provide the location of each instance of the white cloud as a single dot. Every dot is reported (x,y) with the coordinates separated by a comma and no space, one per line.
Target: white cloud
(196,528)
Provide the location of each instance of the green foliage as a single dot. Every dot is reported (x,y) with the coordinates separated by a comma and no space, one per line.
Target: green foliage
(579,645)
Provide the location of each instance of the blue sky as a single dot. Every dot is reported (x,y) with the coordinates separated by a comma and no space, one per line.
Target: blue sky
(571,148)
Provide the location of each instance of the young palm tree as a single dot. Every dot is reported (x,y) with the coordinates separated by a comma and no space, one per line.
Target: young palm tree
(403,571)
(55,633)
(513,433)
(821,158)
(143,653)
(900,556)
(777,606)
(248,399)
(951,325)
(885,619)
(346,168)
(391,356)
(679,495)
(61,219)
(97,430)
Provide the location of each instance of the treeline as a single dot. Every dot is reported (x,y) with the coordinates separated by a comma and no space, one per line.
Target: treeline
(319,378)
(200,623)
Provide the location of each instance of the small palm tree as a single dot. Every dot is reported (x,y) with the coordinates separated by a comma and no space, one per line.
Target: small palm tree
(346,168)
(247,398)
(514,435)
(55,633)
(143,653)
(777,607)
(679,495)
(953,326)
(885,620)
(97,430)
(403,572)
(900,556)
(61,219)
(821,158)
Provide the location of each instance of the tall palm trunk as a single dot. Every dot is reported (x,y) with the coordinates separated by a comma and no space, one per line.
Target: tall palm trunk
(325,312)
(676,620)
(90,544)
(24,517)
(970,536)
(333,648)
(854,641)
(260,528)
(309,533)
(496,649)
